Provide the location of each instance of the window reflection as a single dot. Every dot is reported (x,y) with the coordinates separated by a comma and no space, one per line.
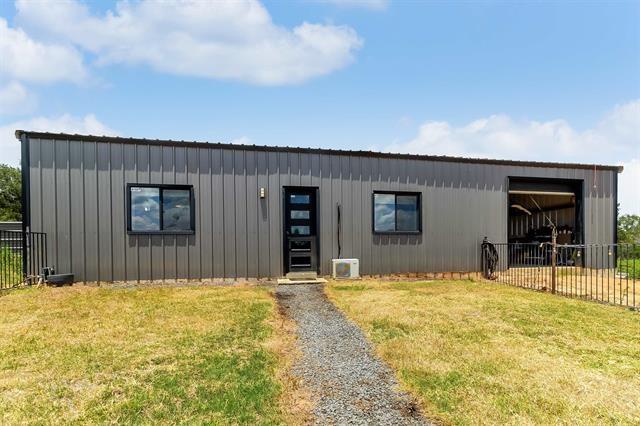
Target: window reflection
(398,212)
(145,209)
(300,214)
(300,230)
(407,212)
(299,199)
(384,212)
(176,214)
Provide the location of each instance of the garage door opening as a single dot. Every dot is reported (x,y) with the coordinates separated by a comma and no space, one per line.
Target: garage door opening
(537,205)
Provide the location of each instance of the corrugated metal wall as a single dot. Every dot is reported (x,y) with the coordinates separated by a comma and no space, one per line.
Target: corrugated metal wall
(521,224)
(77,195)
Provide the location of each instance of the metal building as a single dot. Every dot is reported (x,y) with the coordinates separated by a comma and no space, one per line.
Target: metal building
(136,209)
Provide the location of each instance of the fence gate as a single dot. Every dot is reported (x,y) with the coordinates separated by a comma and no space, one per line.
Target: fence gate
(608,273)
(22,256)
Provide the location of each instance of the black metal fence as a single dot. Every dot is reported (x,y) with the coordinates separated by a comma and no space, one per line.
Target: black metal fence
(22,256)
(608,273)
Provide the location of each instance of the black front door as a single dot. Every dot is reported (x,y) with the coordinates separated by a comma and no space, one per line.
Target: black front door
(300,229)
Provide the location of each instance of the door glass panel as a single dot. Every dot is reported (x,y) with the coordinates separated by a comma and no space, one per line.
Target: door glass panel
(301,261)
(300,230)
(300,245)
(384,212)
(300,198)
(407,206)
(300,214)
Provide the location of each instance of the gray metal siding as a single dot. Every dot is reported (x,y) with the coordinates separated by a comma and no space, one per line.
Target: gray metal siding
(77,196)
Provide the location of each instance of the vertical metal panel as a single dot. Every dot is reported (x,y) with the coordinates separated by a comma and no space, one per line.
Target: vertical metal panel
(144,241)
(169,251)
(306,170)
(325,207)
(284,174)
(132,264)
(294,169)
(204,210)
(229,200)
(118,212)
(105,260)
(76,209)
(182,241)
(345,227)
(48,191)
(353,228)
(274,201)
(366,236)
(90,179)
(78,197)
(35,181)
(376,254)
(335,197)
(217,187)
(156,243)
(62,215)
(193,241)
(251,201)
(240,212)
(424,176)
(262,210)
(264,234)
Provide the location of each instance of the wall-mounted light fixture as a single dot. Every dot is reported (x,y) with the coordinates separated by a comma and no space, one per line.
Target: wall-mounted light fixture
(262,193)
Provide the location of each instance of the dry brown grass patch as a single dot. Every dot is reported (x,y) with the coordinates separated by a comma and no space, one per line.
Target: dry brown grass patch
(487,353)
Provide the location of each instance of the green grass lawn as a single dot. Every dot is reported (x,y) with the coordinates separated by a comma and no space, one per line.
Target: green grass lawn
(173,355)
(10,268)
(492,354)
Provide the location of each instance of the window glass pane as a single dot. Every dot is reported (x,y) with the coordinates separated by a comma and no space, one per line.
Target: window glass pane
(145,209)
(407,217)
(300,230)
(176,210)
(299,199)
(299,214)
(384,215)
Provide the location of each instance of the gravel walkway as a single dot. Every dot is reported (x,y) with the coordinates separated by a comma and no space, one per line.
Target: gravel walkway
(338,366)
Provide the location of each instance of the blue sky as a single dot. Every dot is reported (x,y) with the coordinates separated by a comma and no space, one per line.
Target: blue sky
(539,81)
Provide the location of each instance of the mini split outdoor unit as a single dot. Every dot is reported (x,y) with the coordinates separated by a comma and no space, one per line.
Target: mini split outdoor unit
(346,268)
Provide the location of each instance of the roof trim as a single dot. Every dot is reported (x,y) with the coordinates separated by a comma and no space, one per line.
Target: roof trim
(372,154)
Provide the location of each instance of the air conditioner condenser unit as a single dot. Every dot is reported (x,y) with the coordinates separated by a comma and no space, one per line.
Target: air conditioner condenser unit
(346,268)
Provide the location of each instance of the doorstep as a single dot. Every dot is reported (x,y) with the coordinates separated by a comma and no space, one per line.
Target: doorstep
(301,281)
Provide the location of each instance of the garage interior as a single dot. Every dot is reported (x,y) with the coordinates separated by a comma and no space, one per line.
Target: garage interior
(536,205)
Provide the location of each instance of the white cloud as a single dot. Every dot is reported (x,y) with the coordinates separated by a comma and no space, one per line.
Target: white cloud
(366,4)
(10,147)
(242,140)
(16,99)
(27,60)
(235,40)
(629,187)
(614,140)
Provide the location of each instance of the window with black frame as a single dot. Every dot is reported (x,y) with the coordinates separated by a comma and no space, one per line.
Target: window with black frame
(165,209)
(396,212)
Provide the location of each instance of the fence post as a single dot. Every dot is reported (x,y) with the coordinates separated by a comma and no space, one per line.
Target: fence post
(554,249)
(25,253)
